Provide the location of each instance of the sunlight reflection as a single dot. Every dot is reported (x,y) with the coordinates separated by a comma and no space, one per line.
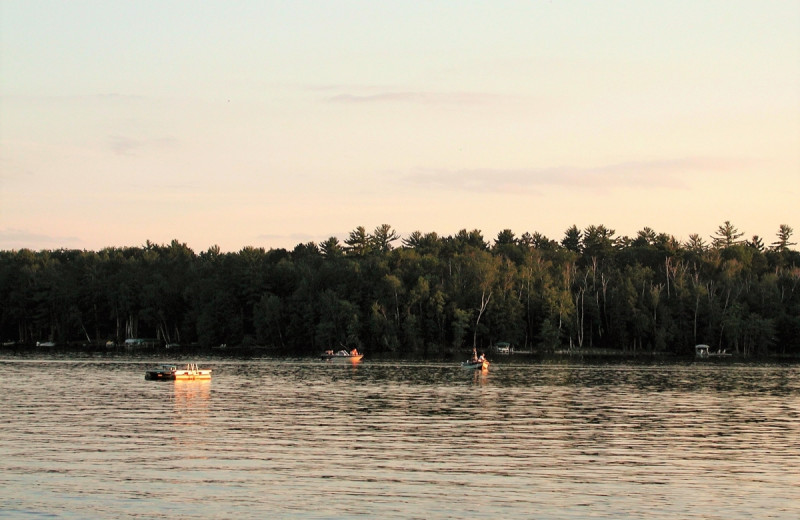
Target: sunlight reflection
(191,395)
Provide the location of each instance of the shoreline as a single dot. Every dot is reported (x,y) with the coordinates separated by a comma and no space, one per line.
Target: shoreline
(594,354)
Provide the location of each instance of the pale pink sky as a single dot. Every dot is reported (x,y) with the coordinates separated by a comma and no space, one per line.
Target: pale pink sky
(268,124)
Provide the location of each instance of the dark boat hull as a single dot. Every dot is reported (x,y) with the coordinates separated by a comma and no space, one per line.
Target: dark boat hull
(480,365)
(159,376)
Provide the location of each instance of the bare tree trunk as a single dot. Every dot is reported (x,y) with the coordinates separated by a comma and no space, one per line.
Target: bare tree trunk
(484,303)
(579,314)
(666,268)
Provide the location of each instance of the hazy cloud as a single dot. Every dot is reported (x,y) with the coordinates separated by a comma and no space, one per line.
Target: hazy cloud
(413,97)
(74,99)
(124,145)
(23,239)
(639,174)
(297,237)
(290,240)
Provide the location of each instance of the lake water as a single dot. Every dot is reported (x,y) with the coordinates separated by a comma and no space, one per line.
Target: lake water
(90,438)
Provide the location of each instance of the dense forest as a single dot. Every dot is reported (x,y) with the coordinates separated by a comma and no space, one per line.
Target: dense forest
(423,293)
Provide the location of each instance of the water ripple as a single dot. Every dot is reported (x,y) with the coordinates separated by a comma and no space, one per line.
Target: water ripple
(302,439)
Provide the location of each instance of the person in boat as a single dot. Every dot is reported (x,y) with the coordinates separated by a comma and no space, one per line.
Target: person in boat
(474,356)
(354,352)
(482,358)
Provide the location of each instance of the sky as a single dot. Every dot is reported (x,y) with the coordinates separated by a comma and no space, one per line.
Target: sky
(274,123)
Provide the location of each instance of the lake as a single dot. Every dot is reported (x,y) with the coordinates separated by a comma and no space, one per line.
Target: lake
(278,438)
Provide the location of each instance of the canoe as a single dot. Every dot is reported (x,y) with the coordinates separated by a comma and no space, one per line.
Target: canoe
(341,357)
(478,365)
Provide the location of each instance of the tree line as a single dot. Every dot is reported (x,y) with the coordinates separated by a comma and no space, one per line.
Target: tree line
(425,293)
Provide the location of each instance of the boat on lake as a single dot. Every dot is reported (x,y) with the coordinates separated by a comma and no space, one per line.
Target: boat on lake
(704,351)
(476,362)
(342,356)
(171,372)
(475,365)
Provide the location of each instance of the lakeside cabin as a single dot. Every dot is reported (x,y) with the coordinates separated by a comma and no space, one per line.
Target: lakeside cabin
(503,348)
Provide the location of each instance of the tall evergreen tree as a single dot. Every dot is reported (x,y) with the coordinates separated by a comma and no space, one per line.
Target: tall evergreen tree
(726,236)
(331,248)
(695,243)
(382,238)
(358,242)
(572,239)
(784,234)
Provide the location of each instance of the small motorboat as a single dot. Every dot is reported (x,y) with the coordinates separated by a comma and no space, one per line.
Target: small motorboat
(475,365)
(170,372)
(342,356)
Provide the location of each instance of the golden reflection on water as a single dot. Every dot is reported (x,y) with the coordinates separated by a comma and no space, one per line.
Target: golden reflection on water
(480,377)
(191,401)
(191,394)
